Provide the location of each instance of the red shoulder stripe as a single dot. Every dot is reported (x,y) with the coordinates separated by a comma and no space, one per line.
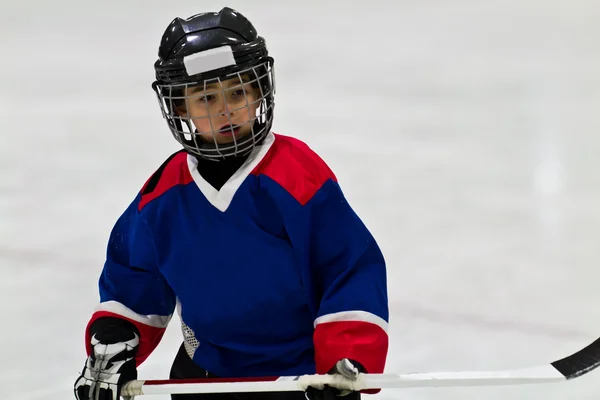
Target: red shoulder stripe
(296,167)
(174,171)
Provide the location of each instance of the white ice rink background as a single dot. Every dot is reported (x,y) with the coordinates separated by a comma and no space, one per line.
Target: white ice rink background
(464,132)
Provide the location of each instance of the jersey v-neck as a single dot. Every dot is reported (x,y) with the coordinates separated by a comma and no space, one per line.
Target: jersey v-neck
(218,172)
(221,197)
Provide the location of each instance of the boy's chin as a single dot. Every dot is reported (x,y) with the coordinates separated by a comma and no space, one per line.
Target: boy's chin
(224,138)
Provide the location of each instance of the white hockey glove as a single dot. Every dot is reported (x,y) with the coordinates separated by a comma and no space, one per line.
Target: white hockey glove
(349,371)
(111,364)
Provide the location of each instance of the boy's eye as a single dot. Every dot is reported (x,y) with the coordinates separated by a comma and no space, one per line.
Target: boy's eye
(207,97)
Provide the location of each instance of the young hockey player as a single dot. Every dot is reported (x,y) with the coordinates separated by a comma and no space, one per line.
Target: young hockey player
(245,232)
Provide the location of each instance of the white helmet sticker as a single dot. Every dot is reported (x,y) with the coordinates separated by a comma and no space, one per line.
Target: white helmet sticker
(209,60)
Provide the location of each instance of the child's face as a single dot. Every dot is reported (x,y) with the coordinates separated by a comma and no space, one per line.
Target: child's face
(222,111)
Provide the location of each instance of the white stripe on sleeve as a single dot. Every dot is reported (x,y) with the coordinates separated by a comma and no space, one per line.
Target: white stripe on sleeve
(362,316)
(157,321)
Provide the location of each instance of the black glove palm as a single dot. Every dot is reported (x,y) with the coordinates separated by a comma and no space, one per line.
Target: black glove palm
(111,363)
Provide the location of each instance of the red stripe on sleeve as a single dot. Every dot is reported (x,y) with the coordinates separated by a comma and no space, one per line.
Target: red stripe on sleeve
(363,342)
(150,336)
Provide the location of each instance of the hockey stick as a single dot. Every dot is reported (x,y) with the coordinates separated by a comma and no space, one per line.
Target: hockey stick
(564,369)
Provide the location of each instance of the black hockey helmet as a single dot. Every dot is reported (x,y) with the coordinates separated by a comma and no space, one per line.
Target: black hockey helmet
(207,49)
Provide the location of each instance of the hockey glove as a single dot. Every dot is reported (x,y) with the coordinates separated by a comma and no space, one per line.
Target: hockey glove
(347,368)
(112,361)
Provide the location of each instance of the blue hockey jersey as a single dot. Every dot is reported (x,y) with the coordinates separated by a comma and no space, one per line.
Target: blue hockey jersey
(274,274)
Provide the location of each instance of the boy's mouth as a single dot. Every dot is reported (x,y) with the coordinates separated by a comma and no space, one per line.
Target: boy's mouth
(228,130)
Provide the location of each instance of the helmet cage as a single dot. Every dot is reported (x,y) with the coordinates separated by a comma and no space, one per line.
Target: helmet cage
(176,96)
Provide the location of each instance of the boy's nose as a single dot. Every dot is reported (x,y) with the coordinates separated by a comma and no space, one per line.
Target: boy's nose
(225,108)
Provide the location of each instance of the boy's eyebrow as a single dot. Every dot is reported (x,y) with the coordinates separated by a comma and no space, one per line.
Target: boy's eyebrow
(216,85)
(194,89)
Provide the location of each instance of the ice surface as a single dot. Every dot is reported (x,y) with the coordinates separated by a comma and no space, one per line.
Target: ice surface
(464,132)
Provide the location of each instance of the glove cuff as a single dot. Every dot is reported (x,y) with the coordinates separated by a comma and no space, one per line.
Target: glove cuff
(111,330)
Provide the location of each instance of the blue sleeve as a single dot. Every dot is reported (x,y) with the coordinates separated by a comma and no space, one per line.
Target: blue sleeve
(348,265)
(131,275)
(347,281)
(131,284)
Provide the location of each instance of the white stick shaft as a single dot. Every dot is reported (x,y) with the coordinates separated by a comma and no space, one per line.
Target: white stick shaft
(545,374)
(542,374)
(232,387)
(571,367)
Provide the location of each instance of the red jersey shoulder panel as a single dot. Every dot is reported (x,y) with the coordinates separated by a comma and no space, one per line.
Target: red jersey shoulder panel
(296,167)
(174,171)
